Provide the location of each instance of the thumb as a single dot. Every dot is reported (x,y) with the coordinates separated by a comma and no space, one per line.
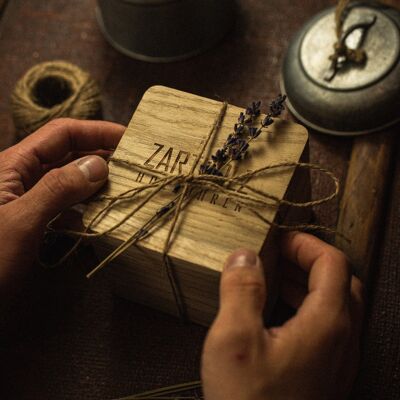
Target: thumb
(242,289)
(62,187)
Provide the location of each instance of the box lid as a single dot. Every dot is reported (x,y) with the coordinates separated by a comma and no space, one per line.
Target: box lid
(166,133)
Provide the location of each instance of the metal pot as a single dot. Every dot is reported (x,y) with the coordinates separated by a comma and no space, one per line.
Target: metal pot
(164,30)
(359,99)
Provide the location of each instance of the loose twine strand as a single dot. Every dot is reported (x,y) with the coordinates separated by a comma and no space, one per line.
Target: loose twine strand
(341,50)
(51,90)
(189,186)
(170,392)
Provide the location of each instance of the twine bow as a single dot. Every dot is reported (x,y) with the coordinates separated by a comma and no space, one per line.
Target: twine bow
(186,187)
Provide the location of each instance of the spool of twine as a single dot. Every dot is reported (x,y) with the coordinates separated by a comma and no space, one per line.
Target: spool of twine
(52,90)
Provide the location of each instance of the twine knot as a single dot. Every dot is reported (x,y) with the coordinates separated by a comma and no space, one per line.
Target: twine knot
(357,56)
(185,188)
(344,55)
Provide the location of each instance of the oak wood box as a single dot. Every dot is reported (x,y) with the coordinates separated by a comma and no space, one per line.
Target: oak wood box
(166,131)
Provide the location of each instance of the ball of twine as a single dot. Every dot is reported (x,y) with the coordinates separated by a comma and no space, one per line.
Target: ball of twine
(52,90)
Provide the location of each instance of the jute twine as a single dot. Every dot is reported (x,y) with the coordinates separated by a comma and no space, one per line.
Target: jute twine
(185,188)
(52,90)
(341,51)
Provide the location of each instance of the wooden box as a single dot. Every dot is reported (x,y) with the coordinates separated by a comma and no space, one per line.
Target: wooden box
(166,133)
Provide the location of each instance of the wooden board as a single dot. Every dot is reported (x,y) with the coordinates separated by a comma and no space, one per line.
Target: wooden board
(362,208)
(167,130)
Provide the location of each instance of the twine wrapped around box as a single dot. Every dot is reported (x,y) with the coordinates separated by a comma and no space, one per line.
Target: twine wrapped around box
(185,187)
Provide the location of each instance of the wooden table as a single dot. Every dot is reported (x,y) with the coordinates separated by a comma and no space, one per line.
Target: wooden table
(74,339)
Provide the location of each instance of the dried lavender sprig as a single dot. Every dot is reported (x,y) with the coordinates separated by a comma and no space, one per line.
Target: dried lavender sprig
(237,143)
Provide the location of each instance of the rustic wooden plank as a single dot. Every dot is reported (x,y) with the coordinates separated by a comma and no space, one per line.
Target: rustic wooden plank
(167,130)
(377,377)
(362,208)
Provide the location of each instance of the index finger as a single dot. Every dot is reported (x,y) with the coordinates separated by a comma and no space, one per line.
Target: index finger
(57,138)
(329,272)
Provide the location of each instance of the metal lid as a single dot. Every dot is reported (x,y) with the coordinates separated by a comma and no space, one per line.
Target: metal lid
(354,99)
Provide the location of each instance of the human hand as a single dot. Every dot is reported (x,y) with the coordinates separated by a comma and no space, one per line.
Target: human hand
(40,177)
(314,355)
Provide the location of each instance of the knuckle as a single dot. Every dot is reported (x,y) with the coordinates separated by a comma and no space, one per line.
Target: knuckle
(246,281)
(7,196)
(336,256)
(234,339)
(338,259)
(337,330)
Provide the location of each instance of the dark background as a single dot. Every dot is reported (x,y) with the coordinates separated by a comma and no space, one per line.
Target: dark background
(69,338)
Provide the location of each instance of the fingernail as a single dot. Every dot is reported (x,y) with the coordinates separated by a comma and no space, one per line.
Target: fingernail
(242,258)
(94,168)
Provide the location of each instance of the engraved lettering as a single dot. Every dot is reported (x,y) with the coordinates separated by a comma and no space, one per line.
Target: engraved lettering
(182,158)
(152,179)
(214,198)
(180,162)
(165,160)
(147,162)
(140,177)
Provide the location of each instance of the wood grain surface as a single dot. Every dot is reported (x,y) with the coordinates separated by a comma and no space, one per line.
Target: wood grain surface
(71,338)
(181,125)
(364,200)
(166,132)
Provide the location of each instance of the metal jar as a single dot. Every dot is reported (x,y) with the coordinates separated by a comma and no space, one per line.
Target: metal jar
(164,30)
(358,100)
